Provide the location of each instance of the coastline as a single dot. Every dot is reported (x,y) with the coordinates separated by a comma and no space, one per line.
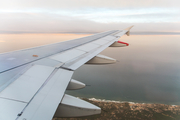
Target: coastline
(104,100)
(117,110)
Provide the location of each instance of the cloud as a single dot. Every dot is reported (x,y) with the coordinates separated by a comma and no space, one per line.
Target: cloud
(88,16)
(27,22)
(76,4)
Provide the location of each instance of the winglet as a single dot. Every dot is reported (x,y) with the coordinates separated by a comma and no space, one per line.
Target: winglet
(128,30)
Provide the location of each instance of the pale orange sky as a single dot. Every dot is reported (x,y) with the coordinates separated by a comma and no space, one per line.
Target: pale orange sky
(11,42)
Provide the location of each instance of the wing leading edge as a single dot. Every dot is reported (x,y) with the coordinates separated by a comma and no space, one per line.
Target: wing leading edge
(33,87)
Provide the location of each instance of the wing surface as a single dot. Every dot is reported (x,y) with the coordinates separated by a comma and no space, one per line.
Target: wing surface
(33,81)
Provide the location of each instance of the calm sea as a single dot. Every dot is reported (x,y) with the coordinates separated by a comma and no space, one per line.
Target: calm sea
(147,71)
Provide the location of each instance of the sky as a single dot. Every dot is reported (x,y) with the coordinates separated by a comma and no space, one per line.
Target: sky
(86,16)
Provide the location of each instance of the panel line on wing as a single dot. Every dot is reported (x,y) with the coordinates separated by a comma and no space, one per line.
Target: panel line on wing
(21,89)
(13,100)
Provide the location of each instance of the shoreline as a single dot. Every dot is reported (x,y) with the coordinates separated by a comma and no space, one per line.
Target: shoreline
(117,110)
(114,101)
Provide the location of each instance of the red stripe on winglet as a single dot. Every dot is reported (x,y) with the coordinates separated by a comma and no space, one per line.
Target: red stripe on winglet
(123,43)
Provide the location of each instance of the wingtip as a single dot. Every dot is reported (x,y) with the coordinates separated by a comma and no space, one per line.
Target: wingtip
(129,28)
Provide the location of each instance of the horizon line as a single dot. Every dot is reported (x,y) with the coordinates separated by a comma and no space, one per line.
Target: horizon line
(132,33)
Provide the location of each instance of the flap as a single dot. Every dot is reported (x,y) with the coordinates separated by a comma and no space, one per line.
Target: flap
(21,89)
(17,95)
(46,101)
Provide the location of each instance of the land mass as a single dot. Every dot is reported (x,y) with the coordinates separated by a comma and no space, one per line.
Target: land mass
(131,111)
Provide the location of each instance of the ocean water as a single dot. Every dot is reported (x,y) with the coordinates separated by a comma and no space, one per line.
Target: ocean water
(147,71)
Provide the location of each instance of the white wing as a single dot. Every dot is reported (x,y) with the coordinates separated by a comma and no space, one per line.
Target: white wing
(33,81)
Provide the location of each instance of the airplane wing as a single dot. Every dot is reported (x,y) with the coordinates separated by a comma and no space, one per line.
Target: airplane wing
(33,81)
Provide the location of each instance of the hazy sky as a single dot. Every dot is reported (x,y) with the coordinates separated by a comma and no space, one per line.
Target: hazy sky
(89,15)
